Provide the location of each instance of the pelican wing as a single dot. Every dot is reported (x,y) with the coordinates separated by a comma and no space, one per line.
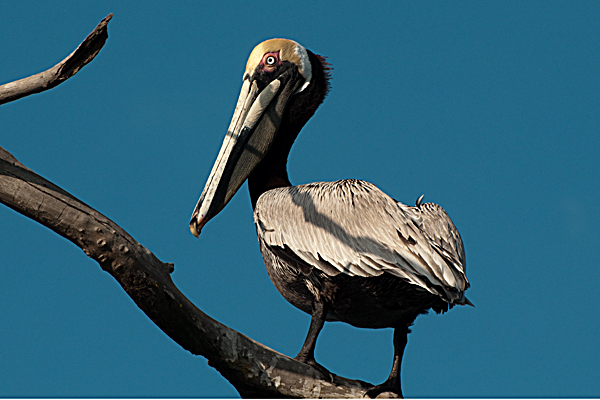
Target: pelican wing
(433,220)
(352,227)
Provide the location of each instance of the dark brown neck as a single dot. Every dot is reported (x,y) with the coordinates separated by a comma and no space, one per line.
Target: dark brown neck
(271,173)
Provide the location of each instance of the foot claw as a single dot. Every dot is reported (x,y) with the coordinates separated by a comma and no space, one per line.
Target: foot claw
(391,390)
(326,374)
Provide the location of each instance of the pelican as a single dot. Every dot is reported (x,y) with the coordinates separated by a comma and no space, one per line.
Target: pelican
(339,251)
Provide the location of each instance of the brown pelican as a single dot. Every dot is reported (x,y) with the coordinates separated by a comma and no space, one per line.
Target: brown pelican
(339,251)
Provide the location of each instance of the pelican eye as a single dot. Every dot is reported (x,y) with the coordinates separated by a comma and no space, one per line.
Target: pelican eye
(270,60)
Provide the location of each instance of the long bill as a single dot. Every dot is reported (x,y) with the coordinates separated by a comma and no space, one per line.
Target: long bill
(252,130)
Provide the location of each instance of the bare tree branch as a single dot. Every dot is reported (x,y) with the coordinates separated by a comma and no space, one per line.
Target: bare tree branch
(253,369)
(62,71)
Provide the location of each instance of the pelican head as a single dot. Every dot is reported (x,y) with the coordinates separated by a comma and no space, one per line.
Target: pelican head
(278,73)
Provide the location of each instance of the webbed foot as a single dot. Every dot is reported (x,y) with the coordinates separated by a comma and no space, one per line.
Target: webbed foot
(311,361)
(389,389)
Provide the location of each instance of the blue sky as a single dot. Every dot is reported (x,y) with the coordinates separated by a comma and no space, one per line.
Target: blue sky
(490,109)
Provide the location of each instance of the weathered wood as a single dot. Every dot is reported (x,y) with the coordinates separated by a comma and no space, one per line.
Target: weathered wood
(252,368)
(62,71)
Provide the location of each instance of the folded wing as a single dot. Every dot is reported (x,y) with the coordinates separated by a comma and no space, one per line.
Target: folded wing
(352,227)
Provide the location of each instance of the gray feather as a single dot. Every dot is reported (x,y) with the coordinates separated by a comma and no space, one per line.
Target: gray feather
(352,227)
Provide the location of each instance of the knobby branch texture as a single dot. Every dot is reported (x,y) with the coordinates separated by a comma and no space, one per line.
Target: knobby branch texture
(252,368)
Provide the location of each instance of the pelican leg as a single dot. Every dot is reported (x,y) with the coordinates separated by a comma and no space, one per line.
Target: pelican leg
(307,352)
(392,384)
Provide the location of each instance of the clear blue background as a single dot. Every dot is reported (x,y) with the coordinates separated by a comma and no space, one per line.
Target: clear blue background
(490,109)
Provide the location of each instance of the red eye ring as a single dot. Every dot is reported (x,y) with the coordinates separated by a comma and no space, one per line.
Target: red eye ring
(270,60)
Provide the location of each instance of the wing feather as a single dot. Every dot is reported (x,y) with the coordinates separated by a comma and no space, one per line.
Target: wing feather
(352,227)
